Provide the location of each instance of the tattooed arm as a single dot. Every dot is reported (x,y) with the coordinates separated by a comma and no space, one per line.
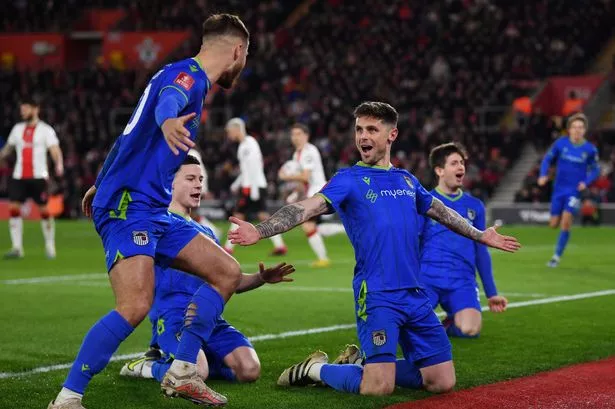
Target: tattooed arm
(292,215)
(451,219)
(458,224)
(283,220)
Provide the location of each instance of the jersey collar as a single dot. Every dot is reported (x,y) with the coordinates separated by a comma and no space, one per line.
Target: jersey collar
(449,197)
(183,216)
(365,165)
(203,71)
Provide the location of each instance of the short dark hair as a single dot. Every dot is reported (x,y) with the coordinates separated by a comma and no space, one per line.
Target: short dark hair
(224,24)
(379,110)
(438,155)
(191,160)
(579,116)
(31,99)
(299,125)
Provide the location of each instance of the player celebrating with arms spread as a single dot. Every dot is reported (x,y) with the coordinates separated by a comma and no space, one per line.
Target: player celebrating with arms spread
(577,167)
(449,261)
(129,207)
(380,207)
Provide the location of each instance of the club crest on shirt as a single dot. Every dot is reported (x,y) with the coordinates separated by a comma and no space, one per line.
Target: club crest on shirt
(409,181)
(184,80)
(140,238)
(379,338)
(471,214)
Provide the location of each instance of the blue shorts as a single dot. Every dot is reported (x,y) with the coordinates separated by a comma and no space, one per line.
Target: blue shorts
(224,339)
(453,300)
(565,203)
(157,234)
(405,317)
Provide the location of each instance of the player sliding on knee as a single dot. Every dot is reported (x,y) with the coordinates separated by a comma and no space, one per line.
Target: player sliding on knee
(449,261)
(227,354)
(577,167)
(310,176)
(129,205)
(380,207)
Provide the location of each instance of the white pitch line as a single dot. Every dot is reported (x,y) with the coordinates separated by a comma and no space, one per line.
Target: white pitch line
(289,334)
(282,288)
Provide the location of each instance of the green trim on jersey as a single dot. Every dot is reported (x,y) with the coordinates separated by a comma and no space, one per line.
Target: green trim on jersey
(361,311)
(451,198)
(183,216)
(122,208)
(323,196)
(174,87)
(365,165)
(203,69)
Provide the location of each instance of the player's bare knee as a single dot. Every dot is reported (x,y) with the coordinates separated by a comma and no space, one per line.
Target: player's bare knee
(442,384)
(377,387)
(248,371)
(470,328)
(135,311)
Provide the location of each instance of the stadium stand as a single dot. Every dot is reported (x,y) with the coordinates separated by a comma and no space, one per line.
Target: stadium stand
(443,64)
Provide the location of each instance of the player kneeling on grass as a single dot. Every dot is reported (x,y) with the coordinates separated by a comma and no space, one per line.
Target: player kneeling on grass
(449,261)
(380,207)
(228,354)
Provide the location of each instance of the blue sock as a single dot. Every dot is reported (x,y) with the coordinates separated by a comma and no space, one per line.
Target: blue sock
(454,331)
(201,316)
(159,368)
(222,372)
(562,240)
(407,375)
(346,378)
(101,341)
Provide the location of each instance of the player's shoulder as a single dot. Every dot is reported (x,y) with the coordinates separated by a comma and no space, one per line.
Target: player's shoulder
(473,200)
(406,174)
(45,126)
(185,73)
(19,125)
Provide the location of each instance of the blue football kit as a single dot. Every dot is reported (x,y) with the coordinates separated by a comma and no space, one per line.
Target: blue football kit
(134,186)
(381,210)
(173,293)
(449,261)
(574,163)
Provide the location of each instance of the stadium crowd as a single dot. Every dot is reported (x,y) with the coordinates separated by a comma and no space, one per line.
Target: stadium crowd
(439,62)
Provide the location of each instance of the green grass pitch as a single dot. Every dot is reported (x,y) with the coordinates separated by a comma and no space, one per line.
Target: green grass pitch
(42,322)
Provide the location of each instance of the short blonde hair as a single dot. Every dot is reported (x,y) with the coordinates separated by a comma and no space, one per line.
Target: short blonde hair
(579,116)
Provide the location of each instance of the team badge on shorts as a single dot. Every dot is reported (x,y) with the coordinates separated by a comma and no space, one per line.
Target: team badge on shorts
(140,238)
(379,338)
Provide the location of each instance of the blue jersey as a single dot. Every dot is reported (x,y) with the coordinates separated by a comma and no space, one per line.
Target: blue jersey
(174,288)
(380,209)
(140,167)
(575,164)
(449,259)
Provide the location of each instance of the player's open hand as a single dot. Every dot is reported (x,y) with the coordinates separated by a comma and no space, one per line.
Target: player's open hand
(543,180)
(176,135)
(497,303)
(86,203)
(277,274)
(498,241)
(245,235)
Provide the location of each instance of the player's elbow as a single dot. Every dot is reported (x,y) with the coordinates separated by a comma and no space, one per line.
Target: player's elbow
(248,371)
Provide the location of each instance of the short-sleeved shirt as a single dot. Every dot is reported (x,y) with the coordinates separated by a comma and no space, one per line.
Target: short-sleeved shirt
(31,143)
(380,209)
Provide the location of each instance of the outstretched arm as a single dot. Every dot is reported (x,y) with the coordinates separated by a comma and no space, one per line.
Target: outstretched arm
(451,219)
(282,221)
(272,275)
